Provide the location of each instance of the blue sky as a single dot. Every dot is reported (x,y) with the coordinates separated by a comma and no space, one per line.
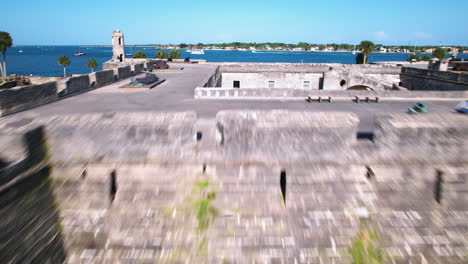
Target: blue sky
(396,22)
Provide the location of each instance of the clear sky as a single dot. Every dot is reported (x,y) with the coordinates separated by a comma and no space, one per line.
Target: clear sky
(80,22)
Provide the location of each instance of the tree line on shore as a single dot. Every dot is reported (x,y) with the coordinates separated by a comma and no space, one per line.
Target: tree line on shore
(367,47)
(308,46)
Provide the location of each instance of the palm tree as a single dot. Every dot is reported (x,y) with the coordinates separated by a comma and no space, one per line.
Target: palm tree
(162,54)
(5,42)
(92,63)
(174,54)
(139,55)
(64,61)
(367,47)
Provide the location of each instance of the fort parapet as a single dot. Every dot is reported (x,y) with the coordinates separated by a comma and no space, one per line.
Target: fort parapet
(279,191)
(433,80)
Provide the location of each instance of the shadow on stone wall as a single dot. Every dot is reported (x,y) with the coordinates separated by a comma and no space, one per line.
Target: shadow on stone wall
(30,229)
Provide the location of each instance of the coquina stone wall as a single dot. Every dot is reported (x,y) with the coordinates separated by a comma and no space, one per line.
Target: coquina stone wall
(30,228)
(104,77)
(277,186)
(233,93)
(433,80)
(76,85)
(22,98)
(137,68)
(308,76)
(215,79)
(124,72)
(117,136)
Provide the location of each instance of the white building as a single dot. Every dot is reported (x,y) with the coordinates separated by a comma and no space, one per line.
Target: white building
(297,49)
(315,48)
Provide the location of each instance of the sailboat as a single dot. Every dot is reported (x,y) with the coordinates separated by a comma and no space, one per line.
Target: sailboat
(354,51)
(79,53)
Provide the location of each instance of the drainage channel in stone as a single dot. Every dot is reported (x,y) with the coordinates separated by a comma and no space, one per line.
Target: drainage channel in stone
(370,174)
(439,182)
(113,186)
(283,185)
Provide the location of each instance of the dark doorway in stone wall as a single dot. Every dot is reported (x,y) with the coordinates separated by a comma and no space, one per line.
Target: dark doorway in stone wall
(283,185)
(236,84)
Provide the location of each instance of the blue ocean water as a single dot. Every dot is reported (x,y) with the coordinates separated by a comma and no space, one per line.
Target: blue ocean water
(42,60)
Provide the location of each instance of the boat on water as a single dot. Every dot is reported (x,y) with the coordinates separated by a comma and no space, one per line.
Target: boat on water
(354,51)
(20,51)
(79,54)
(198,51)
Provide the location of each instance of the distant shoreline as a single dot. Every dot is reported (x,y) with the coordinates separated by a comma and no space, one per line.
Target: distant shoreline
(259,50)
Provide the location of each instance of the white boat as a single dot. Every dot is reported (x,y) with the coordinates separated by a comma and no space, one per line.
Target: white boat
(254,51)
(198,51)
(20,51)
(354,51)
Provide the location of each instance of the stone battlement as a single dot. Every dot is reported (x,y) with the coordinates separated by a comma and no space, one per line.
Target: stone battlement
(262,136)
(26,97)
(287,186)
(422,79)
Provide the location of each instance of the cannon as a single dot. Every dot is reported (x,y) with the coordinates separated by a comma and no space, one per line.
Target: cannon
(417,108)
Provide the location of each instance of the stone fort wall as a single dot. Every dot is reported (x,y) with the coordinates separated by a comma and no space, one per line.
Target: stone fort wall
(421,79)
(26,97)
(279,186)
(30,228)
(308,76)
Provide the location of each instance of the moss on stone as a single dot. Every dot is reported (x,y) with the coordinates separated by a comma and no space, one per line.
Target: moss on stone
(363,249)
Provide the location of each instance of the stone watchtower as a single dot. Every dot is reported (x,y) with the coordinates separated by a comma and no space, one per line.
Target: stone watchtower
(118,47)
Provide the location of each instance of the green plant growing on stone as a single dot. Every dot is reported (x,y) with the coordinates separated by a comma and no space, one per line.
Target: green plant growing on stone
(439,53)
(205,211)
(174,54)
(139,55)
(64,61)
(5,42)
(92,64)
(161,54)
(363,249)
